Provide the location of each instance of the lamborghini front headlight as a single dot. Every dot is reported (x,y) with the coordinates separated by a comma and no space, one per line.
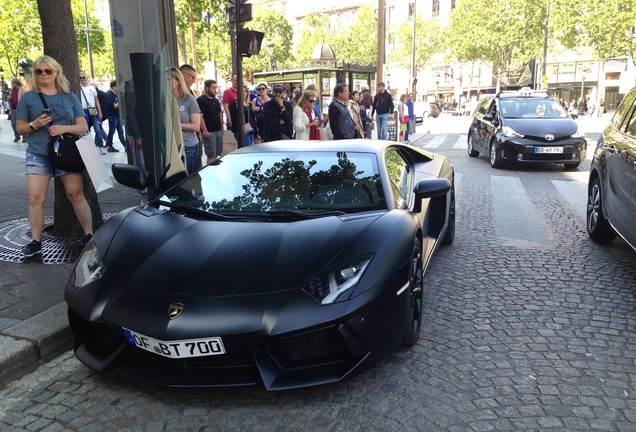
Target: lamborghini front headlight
(89,268)
(326,286)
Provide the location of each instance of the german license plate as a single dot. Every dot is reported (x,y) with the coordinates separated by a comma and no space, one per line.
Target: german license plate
(548,149)
(177,348)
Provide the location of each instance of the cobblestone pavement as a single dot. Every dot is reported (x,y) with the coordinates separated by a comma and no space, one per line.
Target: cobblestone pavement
(521,333)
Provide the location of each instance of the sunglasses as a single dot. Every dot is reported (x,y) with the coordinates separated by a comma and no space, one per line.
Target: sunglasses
(82,78)
(262,88)
(44,71)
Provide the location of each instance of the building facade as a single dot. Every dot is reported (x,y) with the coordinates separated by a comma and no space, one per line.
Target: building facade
(568,75)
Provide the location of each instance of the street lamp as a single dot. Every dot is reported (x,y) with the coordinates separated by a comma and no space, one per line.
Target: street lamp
(437,87)
(582,89)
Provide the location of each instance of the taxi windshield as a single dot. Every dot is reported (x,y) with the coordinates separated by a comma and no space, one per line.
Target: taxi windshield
(531,108)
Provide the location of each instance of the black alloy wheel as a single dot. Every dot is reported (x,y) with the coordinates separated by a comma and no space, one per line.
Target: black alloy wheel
(494,159)
(471,150)
(414,304)
(597,227)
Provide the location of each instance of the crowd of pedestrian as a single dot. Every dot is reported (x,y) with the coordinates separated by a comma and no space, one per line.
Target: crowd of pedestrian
(270,113)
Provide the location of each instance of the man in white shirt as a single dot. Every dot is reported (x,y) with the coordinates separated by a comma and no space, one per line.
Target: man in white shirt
(88,97)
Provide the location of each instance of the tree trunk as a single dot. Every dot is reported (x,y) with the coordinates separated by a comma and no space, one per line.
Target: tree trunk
(58,36)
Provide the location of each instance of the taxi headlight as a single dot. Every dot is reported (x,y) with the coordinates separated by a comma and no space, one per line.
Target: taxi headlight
(326,286)
(510,132)
(89,268)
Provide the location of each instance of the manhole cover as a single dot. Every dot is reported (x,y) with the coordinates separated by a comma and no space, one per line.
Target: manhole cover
(55,250)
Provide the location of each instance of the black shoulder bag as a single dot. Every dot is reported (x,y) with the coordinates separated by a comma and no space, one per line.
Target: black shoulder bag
(63,151)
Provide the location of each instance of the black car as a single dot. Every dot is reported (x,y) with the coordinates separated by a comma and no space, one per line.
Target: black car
(288,264)
(525,127)
(611,202)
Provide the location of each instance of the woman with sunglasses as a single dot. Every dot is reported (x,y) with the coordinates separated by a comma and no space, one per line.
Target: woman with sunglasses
(66,116)
(306,124)
(257,107)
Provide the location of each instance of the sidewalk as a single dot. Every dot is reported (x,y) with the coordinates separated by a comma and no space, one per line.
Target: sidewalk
(33,321)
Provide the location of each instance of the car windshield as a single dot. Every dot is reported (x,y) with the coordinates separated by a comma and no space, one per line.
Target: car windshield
(281,183)
(531,108)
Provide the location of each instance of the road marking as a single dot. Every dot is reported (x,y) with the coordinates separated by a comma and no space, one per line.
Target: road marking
(575,193)
(515,216)
(435,142)
(462,142)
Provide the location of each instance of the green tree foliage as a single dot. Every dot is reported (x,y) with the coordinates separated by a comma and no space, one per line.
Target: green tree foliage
(603,25)
(427,43)
(101,43)
(212,40)
(315,30)
(20,33)
(279,32)
(502,33)
(352,42)
(357,42)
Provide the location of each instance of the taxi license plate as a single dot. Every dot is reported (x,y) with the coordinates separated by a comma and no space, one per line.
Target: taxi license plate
(177,348)
(548,149)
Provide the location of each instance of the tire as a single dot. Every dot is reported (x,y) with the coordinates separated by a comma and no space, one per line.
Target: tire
(449,237)
(414,302)
(494,159)
(471,151)
(426,114)
(597,227)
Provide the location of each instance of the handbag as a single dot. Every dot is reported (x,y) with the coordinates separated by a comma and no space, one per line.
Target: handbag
(63,152)
(248,129)
(92,111)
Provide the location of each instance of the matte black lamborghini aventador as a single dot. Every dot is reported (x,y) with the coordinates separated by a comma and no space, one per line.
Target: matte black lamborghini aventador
(288,264)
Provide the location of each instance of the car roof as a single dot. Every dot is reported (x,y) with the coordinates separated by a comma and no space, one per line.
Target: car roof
(523,93)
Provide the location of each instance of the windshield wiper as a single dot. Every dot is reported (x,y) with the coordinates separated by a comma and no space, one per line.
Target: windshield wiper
(186,211)
(305,215)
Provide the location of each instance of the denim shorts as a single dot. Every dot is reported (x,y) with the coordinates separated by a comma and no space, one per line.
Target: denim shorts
(39,164)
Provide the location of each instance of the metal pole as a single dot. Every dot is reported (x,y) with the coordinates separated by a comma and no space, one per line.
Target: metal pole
(193,39)
(381,39)
(240,118)
(545,39)
(413,70)
(88,40)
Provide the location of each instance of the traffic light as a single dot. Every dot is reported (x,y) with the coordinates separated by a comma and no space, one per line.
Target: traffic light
(245,11)
(249,42)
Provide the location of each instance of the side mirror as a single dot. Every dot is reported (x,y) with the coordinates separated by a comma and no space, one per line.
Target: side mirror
(574,116)
(130,175)
(429,188)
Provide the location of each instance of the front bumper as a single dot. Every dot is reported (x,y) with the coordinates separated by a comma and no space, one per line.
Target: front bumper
(528,151)
(288,353)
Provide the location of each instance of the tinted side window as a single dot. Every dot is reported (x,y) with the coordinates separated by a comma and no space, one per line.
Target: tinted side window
(625,112)
(401,177)
(483,106)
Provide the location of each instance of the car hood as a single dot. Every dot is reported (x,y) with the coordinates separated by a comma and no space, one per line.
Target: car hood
(559,127)
(166,254)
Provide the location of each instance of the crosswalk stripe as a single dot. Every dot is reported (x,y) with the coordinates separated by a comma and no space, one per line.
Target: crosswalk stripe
(515,216)
(461,142)
(435,142)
